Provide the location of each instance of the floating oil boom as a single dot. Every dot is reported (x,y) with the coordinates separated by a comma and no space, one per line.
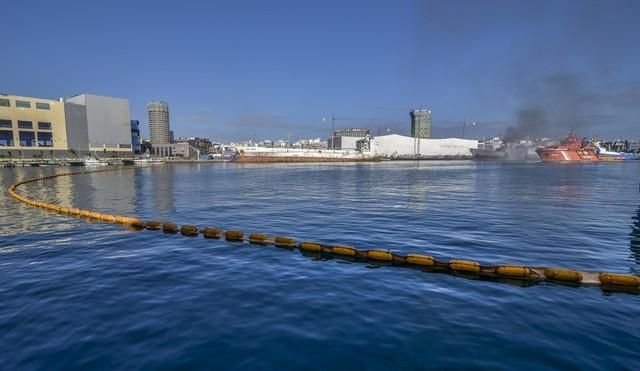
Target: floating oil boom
(515,274)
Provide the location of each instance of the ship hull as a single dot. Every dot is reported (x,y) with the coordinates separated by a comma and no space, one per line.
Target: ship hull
(564,155)
(580,155)
(265,155)
(487,154)
(276,159)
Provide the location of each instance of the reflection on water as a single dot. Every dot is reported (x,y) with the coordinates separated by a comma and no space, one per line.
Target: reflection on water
(138,300)
(467,204)
(634,238)
(417,198)
(17,217)
(113,193)
(160,182)
(65,191)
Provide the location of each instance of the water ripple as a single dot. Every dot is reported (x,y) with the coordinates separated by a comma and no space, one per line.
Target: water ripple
(90,295)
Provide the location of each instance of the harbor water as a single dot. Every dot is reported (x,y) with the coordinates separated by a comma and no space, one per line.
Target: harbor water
(80,295)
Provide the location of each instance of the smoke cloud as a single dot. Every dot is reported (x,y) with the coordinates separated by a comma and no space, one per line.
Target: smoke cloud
(563,102)
(553,105)
(545,67)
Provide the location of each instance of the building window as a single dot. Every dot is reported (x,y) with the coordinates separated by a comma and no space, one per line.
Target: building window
(43,105)
(6,138)
(23,104)
(45,140)
(25,125)
(5,123)
(4,102)
(27,138)
(124,146)
(44,126)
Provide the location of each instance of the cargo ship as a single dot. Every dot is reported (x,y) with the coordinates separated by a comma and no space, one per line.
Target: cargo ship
(574,149)
(493,149)
(496,149)
(262,155)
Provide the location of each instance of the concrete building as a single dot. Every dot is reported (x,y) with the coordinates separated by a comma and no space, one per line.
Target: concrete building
(347,138)
(159,130)
(633,146)
(351,132)
(173,150)
(163,150)
(400,146)
(421,123)
(346,142)
(108,123)
(29,126)
(185,150)
(77,129)
(202,144)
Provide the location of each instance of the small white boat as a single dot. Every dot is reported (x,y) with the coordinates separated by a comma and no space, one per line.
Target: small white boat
(146,159)
(90,160)
(604,153)
(94,161)
(45,163)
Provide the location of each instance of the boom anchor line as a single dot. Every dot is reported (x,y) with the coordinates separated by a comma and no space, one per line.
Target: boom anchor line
(520,275)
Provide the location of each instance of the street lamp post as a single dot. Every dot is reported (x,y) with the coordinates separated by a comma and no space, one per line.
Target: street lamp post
(333,128)
(333,131)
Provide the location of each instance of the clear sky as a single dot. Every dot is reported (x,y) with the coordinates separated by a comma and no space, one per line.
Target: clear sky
(255,69)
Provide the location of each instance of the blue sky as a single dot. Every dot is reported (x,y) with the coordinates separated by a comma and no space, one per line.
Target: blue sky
(255,69)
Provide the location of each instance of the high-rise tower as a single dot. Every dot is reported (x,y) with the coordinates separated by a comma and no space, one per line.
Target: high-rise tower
(159,122)
(421,123)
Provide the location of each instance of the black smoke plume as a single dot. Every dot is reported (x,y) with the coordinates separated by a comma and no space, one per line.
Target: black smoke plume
(553,106)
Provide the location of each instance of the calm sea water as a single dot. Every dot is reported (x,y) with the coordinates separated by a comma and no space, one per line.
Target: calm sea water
(82,295)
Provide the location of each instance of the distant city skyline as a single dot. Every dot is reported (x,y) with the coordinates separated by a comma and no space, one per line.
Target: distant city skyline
(541,67)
